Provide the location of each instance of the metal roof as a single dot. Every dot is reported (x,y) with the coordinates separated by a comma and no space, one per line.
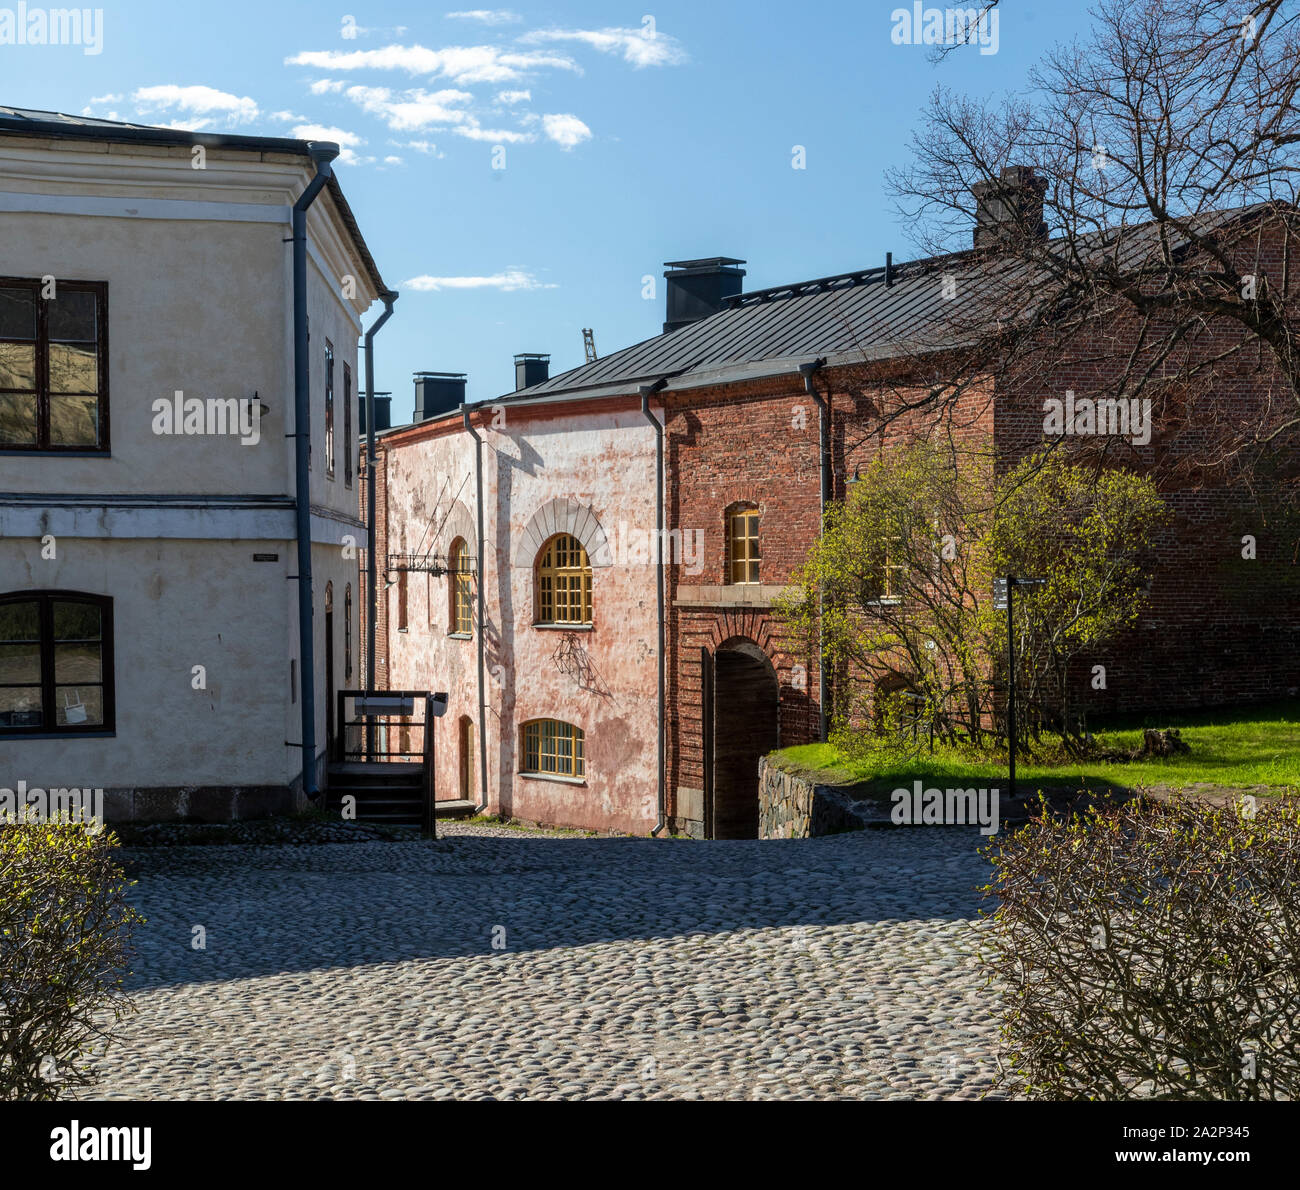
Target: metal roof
(851,316)
(18,121)
(872,314)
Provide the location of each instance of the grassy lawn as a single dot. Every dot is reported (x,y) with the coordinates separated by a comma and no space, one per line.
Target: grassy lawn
(1230,749)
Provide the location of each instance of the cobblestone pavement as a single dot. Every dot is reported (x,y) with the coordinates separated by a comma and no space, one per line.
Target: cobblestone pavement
(498,964)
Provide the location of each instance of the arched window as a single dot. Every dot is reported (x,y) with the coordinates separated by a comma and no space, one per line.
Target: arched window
(742,544)
(462,596)
(554,749)
(347,631)
(563,582)
(56,662)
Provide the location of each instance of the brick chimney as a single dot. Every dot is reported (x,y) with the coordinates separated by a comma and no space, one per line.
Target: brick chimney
(1009,208)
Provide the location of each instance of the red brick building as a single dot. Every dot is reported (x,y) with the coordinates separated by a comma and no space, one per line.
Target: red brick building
(754,408)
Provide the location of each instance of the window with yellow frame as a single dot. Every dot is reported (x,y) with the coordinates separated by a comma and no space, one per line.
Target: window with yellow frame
(742,545)
(555,749)
(462,599)
(564,582)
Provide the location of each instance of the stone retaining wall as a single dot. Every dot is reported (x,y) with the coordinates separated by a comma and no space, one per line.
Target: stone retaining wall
(795,807)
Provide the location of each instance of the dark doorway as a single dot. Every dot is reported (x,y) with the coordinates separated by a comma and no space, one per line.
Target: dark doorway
(746,695)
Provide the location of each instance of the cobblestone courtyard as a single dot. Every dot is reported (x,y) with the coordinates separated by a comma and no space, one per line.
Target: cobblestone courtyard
(498,964)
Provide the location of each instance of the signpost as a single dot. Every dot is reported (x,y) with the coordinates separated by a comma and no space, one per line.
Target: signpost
(1004,597)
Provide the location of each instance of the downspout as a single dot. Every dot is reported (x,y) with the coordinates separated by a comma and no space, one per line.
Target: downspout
(322,153)
(647,391)
(482,621)
(807,371)
(388,297)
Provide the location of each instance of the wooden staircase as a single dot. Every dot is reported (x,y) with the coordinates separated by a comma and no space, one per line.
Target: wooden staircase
(392,785)
(386,792)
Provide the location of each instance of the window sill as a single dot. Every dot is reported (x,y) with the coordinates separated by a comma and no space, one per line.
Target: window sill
(460,636)
(554,777)
(403,630)
(58,454)
(10,734)
(551,627)
(889,601)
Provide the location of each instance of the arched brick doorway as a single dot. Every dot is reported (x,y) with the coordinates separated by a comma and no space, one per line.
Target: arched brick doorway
(746,696)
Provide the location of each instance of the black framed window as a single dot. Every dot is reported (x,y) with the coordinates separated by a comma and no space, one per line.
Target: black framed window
(56,662)
(348,445)
(329,409)
(53,366)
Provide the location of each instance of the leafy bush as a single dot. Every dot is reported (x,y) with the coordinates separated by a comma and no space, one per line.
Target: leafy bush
(898,590)
(64,936)
(1150,951)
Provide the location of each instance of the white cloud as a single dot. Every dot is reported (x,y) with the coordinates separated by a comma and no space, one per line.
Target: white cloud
(409,110)
(98,99)
(640,47)
(339,136)
(486,16)
(472,130)
(422,146)
(461,64)
(512,97)
(508,281)
(288,117)
(565,130)
(392,160)
(324,86)
(199,100)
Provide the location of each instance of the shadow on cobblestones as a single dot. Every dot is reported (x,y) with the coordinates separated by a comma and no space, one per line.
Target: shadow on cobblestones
(270,910)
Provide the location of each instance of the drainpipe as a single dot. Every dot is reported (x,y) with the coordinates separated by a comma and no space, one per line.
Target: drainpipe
(647,391)
(824,434)
(322,153)
(388,297)
(482,620)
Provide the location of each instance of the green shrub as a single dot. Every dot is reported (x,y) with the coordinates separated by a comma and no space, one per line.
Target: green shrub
(1149,951)
(65,931)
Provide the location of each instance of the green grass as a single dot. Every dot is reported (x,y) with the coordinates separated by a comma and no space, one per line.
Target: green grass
(1230,749)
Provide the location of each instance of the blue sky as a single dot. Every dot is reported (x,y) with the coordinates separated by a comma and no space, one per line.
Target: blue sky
(631,136)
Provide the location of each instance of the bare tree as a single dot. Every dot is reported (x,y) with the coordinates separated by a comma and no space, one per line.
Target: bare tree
(1135,218)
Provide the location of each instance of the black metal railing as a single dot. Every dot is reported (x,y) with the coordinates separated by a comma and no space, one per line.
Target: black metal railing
(392,727)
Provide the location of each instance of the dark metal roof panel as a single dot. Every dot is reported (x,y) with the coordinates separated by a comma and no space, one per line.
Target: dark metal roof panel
(19,121)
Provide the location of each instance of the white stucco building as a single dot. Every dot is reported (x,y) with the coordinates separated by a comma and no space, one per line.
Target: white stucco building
(149,629)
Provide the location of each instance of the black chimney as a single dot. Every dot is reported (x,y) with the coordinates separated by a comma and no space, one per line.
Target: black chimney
(383,412)
(1009,208)
(437,392)
(530,369)
(698,288)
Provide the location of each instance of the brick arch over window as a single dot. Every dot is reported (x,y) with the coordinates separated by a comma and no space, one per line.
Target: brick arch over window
(460,523)
(564,516)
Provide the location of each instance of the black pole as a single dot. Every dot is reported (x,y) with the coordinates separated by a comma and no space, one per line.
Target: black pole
(322,153)
(388,299)
(1011,689)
